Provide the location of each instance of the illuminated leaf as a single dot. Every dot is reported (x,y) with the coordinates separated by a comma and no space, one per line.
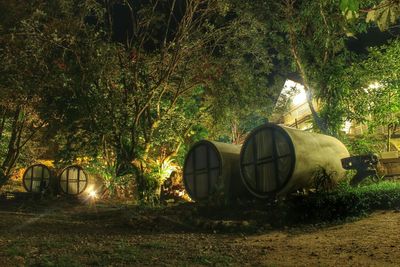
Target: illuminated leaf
(370,16)
(383,19)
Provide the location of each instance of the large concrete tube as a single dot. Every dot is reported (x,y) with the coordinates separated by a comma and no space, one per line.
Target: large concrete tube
(38,178)
(212,168)
(276,160)
(73,180)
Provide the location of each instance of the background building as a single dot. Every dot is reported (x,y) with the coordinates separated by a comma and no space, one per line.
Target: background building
(292,110)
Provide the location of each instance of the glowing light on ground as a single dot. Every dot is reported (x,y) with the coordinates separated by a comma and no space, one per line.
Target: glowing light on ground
(93,194)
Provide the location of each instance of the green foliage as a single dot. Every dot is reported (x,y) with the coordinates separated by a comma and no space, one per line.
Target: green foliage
(384,12)
(346,201)
(380,70)
(349,5)
(368,90)
(323,180)
(365,144)
(149,188)
(253,71)
(112,182)
(323,206)
(316,35)
(142,99)
(314,48)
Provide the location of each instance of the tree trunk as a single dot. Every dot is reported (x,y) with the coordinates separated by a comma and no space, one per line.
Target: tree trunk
(295,53)
(13,147)
(124,158)
(2,122)
(389,135)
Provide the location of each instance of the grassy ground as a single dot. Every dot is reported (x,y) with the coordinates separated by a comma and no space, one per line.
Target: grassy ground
(301,231)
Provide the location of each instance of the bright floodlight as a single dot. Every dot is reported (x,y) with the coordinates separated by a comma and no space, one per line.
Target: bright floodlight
(300,98)
(346,126)
(295,91)
(92,194)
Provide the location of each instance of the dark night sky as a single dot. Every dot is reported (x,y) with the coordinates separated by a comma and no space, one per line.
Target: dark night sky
(374,37)
(122,26)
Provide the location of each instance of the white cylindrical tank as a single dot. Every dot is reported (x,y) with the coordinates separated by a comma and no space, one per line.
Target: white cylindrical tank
(213,167)
(73,180)
(36,178)
(276,160)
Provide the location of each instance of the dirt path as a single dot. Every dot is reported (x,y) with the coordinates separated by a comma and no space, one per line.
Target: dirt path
(109,236)
(372,241)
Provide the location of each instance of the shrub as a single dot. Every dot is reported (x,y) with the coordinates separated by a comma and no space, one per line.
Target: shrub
(345,201)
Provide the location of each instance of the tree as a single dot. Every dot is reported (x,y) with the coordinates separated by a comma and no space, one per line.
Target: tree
(18,119)
(134,96)
(172,77)
(251,73)
(373,89)
(315,34)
